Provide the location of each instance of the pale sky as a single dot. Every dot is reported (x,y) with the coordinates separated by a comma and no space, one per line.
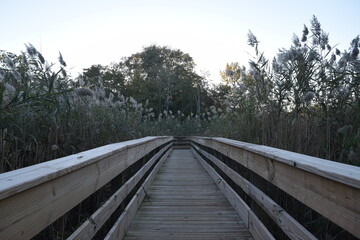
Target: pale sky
(213,32)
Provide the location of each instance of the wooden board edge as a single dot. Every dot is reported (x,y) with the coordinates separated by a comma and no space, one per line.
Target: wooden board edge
(91,226)
(59,195)
(13,182)
(120,227)
(292,228)
(239,205)
(257,228)
(340,172)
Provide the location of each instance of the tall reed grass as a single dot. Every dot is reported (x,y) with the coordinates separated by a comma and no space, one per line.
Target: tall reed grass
(306,100)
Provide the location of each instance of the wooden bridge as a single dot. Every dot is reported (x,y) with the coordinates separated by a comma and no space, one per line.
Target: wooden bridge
(181,188)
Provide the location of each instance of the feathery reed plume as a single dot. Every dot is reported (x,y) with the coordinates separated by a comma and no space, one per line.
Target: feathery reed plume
(61,60)
(305,33)
(83,92)
(31,50)
(41,57)
(252,40)
(8,61)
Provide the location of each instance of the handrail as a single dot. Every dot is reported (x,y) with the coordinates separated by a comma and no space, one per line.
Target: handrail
(32,198)
(343,173)
(330,188)
(90,227)
(251,221)
(122,224)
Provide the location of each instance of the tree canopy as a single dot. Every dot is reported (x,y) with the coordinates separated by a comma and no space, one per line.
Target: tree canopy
(164,77)
(308,93)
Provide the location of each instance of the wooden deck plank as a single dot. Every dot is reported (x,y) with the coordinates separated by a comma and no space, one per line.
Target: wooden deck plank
(185,203)
(189,236)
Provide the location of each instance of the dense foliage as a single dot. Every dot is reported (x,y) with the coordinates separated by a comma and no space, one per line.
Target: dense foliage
(307,99)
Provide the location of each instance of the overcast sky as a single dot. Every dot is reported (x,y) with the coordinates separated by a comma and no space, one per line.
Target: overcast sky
(213,32)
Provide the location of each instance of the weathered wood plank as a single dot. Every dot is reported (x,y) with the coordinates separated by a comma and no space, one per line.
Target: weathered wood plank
(185,217)
(288,224)
(339,172)
(122,224)
(257,229)
(151,235)
(89,228)
(21,179)
(194,209)
(250,219)
(330,188)
(34,197)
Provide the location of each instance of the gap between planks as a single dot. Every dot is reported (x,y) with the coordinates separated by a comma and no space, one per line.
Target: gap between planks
(185,203)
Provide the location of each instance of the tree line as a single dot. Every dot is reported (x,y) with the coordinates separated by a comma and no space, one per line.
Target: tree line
(306,99)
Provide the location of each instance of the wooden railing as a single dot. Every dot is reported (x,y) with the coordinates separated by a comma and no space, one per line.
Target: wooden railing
(330,188)
(33,197)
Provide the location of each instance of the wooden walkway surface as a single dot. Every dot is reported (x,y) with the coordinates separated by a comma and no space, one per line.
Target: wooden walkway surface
(185,203)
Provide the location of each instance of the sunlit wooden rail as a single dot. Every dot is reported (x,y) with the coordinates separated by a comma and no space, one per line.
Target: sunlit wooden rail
(173,196)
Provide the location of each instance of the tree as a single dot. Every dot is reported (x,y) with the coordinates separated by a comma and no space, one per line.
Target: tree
(232,74)
(110,78)
(164,77)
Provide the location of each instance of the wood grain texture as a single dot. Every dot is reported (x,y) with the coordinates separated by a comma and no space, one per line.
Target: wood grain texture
(288,224)
(185,203)
(255,226)
(21,179)
(331,189)
(89,228)
(34,197)
(122,224)
(339,172)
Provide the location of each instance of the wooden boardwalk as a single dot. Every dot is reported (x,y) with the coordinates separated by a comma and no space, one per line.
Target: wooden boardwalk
(184,203)
(181,197)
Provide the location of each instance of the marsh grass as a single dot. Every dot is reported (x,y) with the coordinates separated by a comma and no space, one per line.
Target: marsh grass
(306,100)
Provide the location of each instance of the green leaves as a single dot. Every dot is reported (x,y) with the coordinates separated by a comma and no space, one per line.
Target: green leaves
(164,76)
(2,91)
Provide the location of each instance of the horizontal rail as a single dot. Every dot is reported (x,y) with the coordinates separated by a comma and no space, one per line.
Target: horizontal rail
(122,224)
(90,227)
(288,224)
(330,188)
(255,226)
(33,197)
